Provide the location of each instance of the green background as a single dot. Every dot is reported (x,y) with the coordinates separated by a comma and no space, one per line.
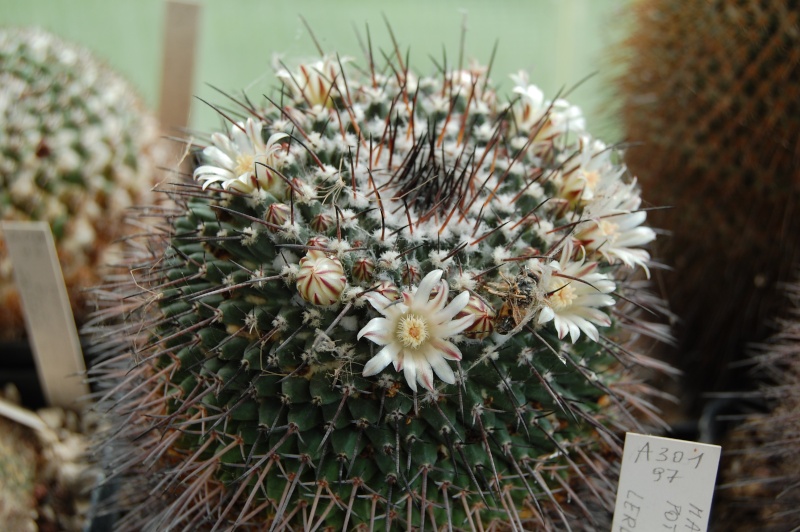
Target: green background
(558,42)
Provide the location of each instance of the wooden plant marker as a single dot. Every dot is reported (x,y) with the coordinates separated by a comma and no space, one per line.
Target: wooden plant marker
(177,80)
(47,311)
(177,66)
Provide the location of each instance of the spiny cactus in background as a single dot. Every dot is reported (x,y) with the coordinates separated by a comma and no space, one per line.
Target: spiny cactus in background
(75,151)
(390,301)
(711,93)
(760,477)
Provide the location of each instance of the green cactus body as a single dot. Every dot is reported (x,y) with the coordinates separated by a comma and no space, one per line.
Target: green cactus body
(390,301)
(711,95)
(76,150)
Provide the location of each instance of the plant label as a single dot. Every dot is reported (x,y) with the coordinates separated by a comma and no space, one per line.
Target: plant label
(665,485)
(48,315)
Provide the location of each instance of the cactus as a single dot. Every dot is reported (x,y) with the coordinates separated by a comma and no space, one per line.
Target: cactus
(75,151)
(711,93)
(387,300)
(760,473)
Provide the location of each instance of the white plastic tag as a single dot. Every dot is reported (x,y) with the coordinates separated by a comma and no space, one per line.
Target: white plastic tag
(665,485)
(48,315)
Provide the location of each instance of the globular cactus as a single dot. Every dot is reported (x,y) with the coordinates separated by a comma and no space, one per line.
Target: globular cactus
(711,96)
(76,150)
(389,300)
(760,473)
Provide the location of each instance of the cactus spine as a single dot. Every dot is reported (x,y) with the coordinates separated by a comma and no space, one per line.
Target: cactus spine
(389,300)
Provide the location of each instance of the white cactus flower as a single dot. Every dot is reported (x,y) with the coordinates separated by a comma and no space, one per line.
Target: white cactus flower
(414,332)
(614,227)
(549,118)
(317,83)
(240,161)
(574,290)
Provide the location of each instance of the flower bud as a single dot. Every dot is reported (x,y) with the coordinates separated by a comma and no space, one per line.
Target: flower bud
(321,279)
(388,290)
(321,223)
(363,269)
(277,214)
(483,325)
(319,242)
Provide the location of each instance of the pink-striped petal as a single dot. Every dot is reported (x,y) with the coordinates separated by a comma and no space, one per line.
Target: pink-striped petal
(275,137)
(454,327)
(410,372)
(398,362)
(424,373)
(423,293)
(442,369)
(437,303)
(382,359)
(376,330)
(377,300)
(456,305)
(216,155)
(446,349)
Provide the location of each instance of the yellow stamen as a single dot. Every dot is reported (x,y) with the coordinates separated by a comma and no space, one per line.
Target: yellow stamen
(608,228)
(412,331)
(244,163)
(562,296)
(591,178)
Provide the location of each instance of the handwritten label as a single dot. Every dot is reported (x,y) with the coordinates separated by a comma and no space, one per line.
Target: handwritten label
(48,315)
(665,485)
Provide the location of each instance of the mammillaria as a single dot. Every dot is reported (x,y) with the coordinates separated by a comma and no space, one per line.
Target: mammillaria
(389,300)
(76,150)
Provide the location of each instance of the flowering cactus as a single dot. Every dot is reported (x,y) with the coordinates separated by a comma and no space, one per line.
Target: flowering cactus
(387,300)
(76,150)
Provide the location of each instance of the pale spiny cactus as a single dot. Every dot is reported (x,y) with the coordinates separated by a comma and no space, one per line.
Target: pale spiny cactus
(76,150)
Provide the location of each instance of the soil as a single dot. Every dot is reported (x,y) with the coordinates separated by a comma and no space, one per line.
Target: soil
(45,477)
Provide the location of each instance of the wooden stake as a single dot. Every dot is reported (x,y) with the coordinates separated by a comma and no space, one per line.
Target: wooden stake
(177,74)
(48,314)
